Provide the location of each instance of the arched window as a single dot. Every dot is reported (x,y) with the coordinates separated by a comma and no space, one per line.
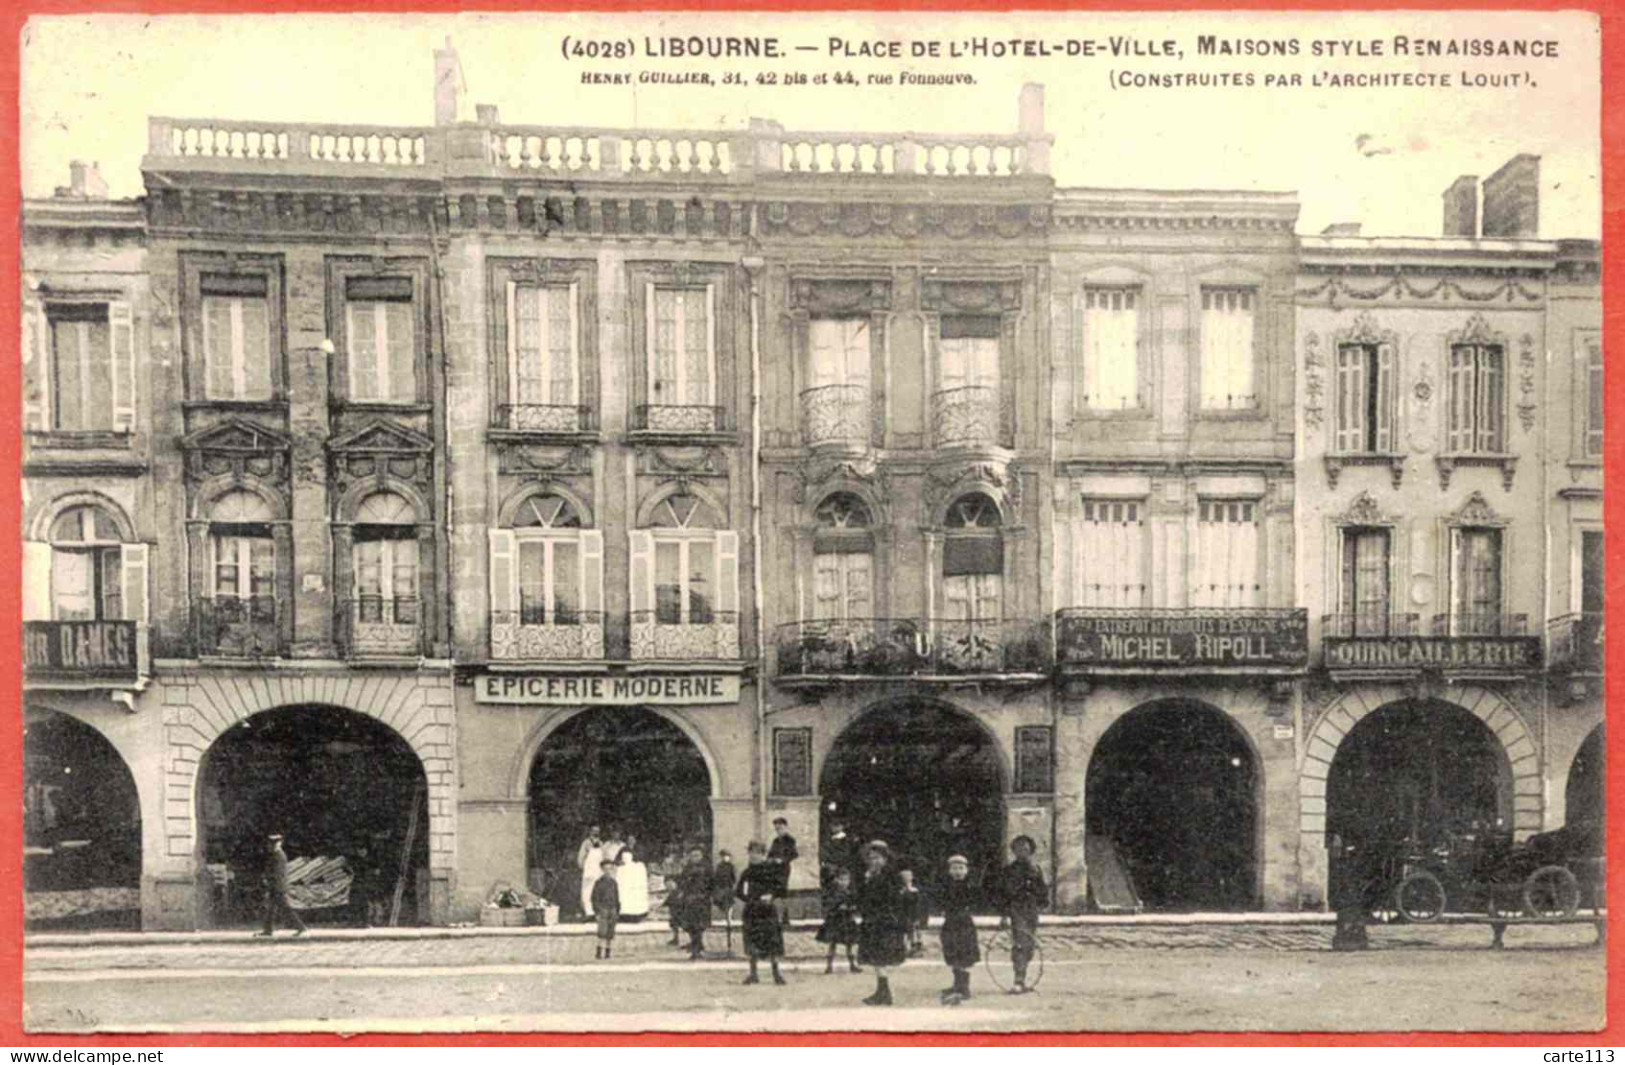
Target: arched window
(547,583)
(685,566)
(242,552)
(843,559)
(385,556)
(972,559)
(87,566)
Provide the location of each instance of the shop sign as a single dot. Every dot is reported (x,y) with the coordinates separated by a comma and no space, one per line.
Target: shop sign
(663,689)
(1179,640)
(1508,654)
(104,650)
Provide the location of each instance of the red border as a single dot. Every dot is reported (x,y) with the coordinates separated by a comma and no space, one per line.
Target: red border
(11,930)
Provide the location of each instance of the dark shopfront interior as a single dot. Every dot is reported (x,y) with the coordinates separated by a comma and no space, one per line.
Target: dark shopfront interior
(336,784)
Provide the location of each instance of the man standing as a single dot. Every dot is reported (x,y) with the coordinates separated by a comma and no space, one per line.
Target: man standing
(275,881)
(1024,894)
(780,854)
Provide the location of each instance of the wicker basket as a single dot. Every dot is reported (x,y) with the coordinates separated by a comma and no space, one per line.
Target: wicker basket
(502,917)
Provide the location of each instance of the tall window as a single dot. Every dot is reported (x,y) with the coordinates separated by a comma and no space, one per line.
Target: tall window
(544,345)
(550,575)
(381,337)
(1365,398)
(1110,554)
(843,559)
(1364,593)
(969,347)
(1111,348)
(1475,599)
(973,560)
(236,321)
(1592,568)
(1477,398)
(1227,374)
(682,346)
(1594,397)
(385,556)
(839,352)
(1227,545)
(81,367)
(691,564)
(242,551)
(87,581)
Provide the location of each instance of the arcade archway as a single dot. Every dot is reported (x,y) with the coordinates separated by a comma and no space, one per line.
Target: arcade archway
(81,828)
(628,771)
(338,785)
(1584,797)
(1172,791)
(924,777)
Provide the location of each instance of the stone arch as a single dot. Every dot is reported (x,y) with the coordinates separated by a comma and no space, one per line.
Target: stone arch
(418,708)
(879,513)
(525,756)
(1006,762)
(659,495)
(347,504)
(215,487)
(47,511)
(516,499)
(1494,710)
(969,485)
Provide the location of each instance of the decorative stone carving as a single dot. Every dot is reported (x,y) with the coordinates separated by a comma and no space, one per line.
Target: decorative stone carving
(1313,387)
(1403,288)
(1363,511)
(237,448)
(1477,511)
(826,295)
(1527,405)
(986,297)
(814,477)
(380,450)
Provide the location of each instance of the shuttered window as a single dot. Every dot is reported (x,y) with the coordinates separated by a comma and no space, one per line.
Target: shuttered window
(544,340)
(547,569)
(385,560)
(236,325)
(1364,591)
(682,346)
(1227,548)
(1228,381)
(969,351)
(973,560)
(1111,348)
(1594,397)
(843,559)
(838,352)
(685,570)
(1477,399)
(1475,599)
(92,575)
(1110,552)
(1365,398)
(382,340)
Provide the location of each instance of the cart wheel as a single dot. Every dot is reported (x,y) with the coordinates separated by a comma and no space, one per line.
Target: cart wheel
(1420,897)
(1551,891)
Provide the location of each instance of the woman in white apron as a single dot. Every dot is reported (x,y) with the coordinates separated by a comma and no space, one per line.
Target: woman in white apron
(632,879)
(590,857)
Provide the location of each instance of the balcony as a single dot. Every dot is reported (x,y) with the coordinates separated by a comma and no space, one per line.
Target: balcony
(518,636)
(677,419)
(81,654)
(1575,643)
(545,418)
(1130,640)
(965,417)
(927,648)
(836,416)
(375,627)
(713,640)
(1460,646)
(236,627)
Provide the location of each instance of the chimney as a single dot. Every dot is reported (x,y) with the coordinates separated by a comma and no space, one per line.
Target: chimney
(84,182)
(1341,229)
(1030,127)
(1512,199)
(448,85)
(1461,207)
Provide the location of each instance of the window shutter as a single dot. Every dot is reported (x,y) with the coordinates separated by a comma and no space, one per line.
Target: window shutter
(36,580)
(1461,592)
(1594,397)
(1351,397)
(727,543)
(121,329)
(37,368)
(642,569)
(133,567)
(513,347)
(1346,602)
(1387,397)
(1461,399)
(503,570)
(592,570)
(1490,399)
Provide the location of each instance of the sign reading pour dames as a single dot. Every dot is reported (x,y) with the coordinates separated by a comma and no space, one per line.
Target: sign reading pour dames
(1185,640)
(101,649)
(668,689)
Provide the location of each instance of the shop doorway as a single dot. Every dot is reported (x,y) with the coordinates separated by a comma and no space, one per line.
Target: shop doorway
(349,796)
(632,774)
(1172,792)
(926,779)
(1414,775)
(81,828)
(1584,798)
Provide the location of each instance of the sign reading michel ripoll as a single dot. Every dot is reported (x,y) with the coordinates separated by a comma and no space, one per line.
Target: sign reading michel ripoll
(552,689)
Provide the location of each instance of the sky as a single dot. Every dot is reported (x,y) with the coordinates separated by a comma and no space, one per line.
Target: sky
(90,82)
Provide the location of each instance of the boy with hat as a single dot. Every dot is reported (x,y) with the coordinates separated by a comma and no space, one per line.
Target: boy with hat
(764,933)
(960,951)
(275,881)
(881,935)
(606,907)
(1024,893)
(781,852)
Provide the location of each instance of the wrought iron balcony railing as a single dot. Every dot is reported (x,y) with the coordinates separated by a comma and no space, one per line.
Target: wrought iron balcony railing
(237,627)
(905,647)
(1480,625)
(713,638)
(965,417)
(528,636)
(1140,638)
(1369,626)
(1575,642)
(545,417)
(835,414)
(374,625)
(676,418)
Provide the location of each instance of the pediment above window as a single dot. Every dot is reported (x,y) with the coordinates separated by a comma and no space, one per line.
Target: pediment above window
(235,436)
(382,437)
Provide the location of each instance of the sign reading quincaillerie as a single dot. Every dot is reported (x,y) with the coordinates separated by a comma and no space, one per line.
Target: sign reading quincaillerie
(554,689)
(1179,639)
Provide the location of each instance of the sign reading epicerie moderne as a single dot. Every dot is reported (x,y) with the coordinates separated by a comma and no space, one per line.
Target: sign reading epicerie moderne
(554,689)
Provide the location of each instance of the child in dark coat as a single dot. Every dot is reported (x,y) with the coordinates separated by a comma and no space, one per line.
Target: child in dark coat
(959,947)
(606,906)
(913,913)
(759,886)
(1024,894)
(692,904)
(840,927)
